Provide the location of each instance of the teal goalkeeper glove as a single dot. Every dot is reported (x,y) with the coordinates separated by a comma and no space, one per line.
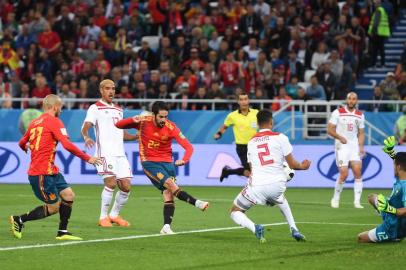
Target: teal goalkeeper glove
(383,205)
(389,146)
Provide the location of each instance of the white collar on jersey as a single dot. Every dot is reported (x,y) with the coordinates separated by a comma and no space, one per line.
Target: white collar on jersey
(348,111)
(105,103)
(264,129)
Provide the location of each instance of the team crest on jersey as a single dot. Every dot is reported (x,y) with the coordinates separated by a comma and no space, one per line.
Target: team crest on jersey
(340,162)
(160,176)
(169,125)
(356,122)
(110,166)
(106,112)
(52,196)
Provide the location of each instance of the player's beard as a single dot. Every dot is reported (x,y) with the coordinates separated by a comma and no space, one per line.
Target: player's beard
(160,124)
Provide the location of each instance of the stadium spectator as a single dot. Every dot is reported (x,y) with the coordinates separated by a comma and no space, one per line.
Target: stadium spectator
(282,99)
(49,40)
(252,78)
(402,85)
(378,96)
(183,96)
(327,79)
(202,95)
(320,56)
(64,27)
(292,87)
(163,92)
(379,30)
(294,67)
(315,90)
(67,93)
(263,66)
(400,127)
(389,86)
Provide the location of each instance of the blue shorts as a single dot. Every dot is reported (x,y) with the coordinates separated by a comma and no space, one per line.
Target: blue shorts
(159,172)
(388,230)
(47,187)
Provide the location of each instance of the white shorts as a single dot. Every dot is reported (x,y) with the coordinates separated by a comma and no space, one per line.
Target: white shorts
(345,154)
(114,166)
(270,194)
(372,235)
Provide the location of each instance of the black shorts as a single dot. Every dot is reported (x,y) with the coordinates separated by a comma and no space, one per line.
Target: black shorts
(242,154)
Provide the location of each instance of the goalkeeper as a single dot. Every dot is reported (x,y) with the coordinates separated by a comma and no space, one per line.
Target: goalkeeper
(392,209)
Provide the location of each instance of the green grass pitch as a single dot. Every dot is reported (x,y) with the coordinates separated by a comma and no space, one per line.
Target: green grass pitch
(331,234)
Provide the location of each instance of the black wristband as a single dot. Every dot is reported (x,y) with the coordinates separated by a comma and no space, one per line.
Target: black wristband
(220,134)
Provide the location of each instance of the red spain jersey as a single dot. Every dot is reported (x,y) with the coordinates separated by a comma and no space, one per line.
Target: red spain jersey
(156,143)
(42,136)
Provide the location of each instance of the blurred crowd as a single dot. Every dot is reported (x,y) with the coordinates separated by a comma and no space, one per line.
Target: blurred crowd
(190,49)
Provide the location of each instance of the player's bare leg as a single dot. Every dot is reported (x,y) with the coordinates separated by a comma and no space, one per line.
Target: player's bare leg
(110,184)
(239,217)
(356,167)
(184,196)
(335,201)
(287,213)
(65,211)
(168,211)
(120,200)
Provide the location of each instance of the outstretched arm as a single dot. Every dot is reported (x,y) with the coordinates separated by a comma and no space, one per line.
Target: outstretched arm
(220,132)
(294,164)
(181,139)
(132,122)
(389,146)
(23,141)
(85,133)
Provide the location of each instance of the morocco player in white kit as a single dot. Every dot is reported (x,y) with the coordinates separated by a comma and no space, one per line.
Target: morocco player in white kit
(115,169)
(347,126)
(267,151)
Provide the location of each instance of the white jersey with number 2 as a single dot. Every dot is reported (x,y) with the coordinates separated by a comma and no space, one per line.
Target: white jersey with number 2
(266,153)
(348,124)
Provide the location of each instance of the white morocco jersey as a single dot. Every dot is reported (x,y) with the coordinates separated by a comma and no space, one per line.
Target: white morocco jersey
(347,124)
(266,153)
(109,138)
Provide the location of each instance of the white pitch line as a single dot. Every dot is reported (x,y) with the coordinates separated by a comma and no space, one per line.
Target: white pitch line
(159,235)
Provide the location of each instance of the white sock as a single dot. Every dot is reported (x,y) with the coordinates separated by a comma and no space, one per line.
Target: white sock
(106,197)
(357,190)
(285,210)
(120,200)
(241,219)
(337,190)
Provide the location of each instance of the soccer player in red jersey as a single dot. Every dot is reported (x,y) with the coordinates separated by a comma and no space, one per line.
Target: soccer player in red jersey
(156,134)
(48,184)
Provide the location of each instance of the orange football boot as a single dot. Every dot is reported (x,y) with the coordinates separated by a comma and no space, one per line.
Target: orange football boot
(105,222)
(120,221)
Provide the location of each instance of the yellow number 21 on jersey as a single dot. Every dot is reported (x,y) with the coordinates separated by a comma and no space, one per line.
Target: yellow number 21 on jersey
(35,137)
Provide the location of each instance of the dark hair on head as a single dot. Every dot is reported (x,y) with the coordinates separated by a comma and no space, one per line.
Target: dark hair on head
(263,117)
(400,159)
(159,106)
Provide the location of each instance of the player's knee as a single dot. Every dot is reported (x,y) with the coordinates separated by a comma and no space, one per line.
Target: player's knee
(363,237)
(110,182)
(125,186)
